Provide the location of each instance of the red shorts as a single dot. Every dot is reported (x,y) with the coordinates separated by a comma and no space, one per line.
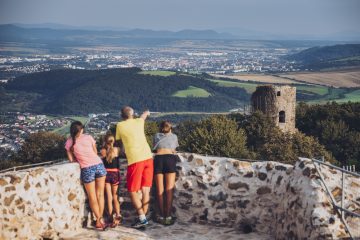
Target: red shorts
(140,174)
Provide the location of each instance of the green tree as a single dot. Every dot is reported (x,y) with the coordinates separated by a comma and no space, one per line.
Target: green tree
(217,135)
(270,143)
(258,127)
(41,147)
(151,128)
(336,126)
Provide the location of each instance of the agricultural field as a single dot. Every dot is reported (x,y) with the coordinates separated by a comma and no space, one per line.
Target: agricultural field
(158,73)
(192,92)
(352,96)
(322,94)
(249,87)
(346,79)
(319,90)
(262,78)
(64,130)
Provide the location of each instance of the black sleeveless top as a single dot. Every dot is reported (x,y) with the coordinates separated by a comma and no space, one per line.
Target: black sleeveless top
(115,163)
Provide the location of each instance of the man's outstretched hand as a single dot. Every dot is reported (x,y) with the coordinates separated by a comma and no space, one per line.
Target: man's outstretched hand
(145,114)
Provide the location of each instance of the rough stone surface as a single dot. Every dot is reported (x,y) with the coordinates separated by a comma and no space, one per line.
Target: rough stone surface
(215,198)
(177,231)
(272,198)
(29,212)
(284,101)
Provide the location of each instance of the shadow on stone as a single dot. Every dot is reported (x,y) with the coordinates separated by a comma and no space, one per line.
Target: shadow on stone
(246,228)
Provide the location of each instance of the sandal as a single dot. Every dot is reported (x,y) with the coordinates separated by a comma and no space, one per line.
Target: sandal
(116,221)
(100,225)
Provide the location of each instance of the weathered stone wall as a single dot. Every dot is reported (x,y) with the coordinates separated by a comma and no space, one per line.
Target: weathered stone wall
(41,202)
(285,201)
(286,102)
(271,100)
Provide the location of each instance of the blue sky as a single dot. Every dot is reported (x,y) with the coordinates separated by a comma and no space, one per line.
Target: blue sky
(302,17)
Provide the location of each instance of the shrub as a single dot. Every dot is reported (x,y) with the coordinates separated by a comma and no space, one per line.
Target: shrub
(270,143)
(217,135)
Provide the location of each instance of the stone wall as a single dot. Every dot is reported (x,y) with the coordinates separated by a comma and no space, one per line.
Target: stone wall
(286,102)
(288,202)
(41,202)
(271,100)
(285,201)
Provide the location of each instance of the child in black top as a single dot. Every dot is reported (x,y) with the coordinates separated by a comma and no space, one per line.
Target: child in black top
(110,156)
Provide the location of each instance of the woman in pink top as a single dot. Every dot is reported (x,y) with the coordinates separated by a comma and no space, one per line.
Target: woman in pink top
(82,148)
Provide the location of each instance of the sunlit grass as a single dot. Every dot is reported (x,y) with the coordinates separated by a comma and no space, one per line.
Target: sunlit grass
(192,92)
(158,73)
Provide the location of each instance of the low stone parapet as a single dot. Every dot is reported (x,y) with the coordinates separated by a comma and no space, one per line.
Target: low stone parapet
(271,198)
(42,202)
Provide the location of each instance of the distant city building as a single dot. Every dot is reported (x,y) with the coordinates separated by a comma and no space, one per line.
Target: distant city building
(277,102)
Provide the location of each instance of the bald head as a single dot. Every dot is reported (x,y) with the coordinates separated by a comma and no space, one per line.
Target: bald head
(127,112)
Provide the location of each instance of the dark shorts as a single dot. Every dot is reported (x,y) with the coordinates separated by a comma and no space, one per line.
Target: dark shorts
(89,174)
(165,163)
(113,176)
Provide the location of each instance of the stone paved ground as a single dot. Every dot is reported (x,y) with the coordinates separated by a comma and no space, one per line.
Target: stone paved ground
(175,232)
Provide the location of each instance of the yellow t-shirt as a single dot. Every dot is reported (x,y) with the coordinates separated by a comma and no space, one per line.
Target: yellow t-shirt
(131,133)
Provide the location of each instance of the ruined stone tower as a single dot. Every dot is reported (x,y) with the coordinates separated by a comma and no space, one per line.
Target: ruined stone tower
(278,102)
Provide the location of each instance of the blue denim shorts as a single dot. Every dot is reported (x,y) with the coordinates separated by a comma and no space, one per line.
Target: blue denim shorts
(89,174)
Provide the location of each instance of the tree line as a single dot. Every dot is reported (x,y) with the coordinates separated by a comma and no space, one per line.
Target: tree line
(329,130)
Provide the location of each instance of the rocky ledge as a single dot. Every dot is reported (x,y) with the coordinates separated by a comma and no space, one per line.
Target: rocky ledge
(213,195)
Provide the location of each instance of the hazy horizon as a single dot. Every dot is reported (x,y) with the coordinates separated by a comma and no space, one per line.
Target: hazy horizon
(320,19)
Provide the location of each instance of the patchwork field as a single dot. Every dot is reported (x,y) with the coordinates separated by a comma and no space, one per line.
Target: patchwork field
(353,97)
(320,90)
(258,78)
(158,73)
(192,92)
(348,79)
(64,130)
(249,87)
(309,93)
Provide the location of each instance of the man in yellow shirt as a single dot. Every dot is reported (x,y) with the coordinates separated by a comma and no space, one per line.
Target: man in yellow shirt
(140,162)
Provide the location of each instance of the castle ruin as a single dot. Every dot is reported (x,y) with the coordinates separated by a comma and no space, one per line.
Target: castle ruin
(277,102)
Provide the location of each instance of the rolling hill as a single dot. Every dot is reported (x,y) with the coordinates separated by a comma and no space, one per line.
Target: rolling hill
(73,92)
(343,55)
(86,91)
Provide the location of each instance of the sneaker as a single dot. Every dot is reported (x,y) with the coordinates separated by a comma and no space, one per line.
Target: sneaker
(140,224)
(169,221)
(158,219)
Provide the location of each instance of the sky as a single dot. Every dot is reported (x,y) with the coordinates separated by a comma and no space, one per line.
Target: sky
(293,17)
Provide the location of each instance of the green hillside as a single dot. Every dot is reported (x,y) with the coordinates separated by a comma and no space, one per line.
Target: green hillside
(342,55)
(80,92)
(75,92)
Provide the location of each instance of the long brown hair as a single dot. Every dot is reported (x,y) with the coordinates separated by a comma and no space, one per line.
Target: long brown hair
(108,145)
(75,128)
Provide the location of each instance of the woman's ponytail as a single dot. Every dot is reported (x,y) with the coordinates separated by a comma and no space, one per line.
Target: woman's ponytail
(75,128)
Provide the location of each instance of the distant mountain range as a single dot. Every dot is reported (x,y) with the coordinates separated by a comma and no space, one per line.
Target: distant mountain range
(315,58)
(11,33)
(52,31)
